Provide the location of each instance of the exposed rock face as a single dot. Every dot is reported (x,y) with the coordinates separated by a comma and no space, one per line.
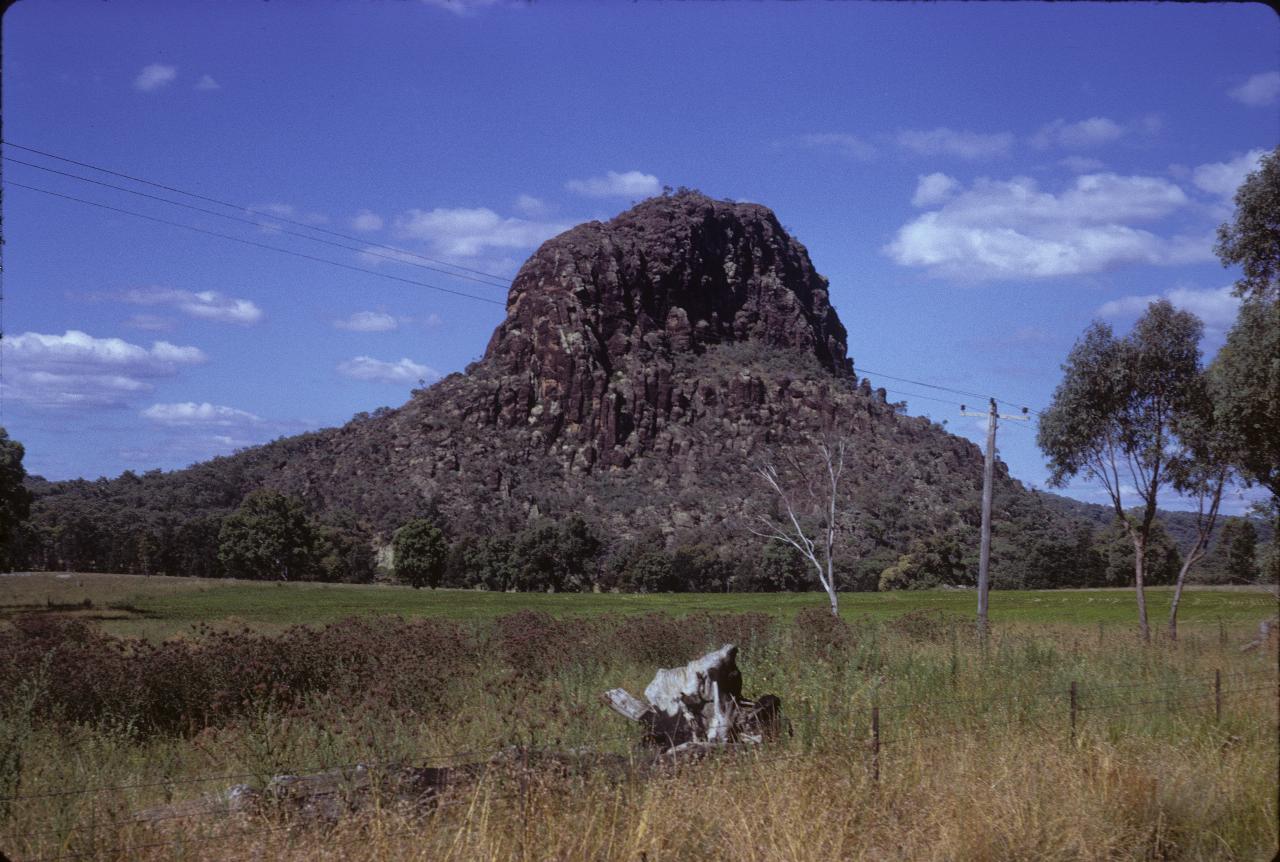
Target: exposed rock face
(599,316)
(645,365)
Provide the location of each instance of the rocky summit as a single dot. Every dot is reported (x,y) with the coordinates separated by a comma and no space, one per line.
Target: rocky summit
(646,366)
(604,320)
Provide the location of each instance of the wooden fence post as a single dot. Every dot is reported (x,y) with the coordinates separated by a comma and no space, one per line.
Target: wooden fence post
(1075,706)
(875,743)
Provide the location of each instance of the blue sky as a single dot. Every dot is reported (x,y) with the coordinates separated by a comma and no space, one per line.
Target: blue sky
(978,182)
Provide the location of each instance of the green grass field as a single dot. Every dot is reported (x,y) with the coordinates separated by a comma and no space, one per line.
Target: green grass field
(159,607)
(1147,767)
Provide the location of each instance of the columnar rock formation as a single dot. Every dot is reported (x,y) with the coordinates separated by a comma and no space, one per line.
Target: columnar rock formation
(645,366)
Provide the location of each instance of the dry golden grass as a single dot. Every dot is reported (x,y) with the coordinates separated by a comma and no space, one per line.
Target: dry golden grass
(978,762)
(999,796)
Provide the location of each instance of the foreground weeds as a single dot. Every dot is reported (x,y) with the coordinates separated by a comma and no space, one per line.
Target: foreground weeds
(979,754)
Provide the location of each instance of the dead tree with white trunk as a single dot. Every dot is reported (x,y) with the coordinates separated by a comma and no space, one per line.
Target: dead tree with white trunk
(810,523)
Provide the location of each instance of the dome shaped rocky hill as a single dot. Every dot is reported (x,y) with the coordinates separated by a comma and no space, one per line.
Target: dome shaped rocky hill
(645,366)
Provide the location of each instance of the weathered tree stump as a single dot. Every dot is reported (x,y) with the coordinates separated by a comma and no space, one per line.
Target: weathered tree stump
(699,705)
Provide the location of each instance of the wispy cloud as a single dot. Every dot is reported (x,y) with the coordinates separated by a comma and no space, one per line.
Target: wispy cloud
(289,211)
(205,305)
(1258,91)
(469,232)
(464,8)
(366,221)
(154,76)
(1081,164)
(1223,178)
(840,143)
(403,371)
(204,414)
(149,323)
(961,144)
(76,369)
(1000,229)
(368,321)
(528,205)
(1082,134)
(933,189)
(629,184)
(206,83)
(1217,307)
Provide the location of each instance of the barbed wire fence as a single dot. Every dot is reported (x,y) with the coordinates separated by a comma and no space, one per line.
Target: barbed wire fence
(887,728)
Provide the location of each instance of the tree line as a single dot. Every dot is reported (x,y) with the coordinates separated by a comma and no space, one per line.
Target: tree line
(273,536)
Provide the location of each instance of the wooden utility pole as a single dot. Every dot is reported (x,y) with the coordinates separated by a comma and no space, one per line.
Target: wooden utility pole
(988,476)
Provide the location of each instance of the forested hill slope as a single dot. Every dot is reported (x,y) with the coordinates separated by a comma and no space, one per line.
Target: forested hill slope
(645,367)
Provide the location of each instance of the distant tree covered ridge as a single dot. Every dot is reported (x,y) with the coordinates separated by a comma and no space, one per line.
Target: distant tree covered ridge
(1040,541)
(607,440)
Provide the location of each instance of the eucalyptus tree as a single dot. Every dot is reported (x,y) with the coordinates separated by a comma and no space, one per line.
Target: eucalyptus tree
(1202,468)
(1245,375)
(1113,417)
(15,499)
(1252,237)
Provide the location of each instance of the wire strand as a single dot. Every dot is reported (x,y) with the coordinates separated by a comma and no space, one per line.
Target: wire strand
(174,189)
(261,245)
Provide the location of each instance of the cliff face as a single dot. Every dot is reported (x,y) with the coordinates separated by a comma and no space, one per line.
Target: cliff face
(599,318)
(645,367)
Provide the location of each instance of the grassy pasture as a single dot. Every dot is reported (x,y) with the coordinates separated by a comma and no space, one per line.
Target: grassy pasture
(159,607)
(979,760)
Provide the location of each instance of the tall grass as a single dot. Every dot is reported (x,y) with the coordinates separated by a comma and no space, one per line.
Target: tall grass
(977,760)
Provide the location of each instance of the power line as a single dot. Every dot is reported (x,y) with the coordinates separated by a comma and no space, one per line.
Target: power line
(502,281)
(254,222)
(939,387)
(261,245)
(918,382)
(399,253)
(925,397)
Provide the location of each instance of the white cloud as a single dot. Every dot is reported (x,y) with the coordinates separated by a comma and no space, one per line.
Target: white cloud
(206,305)
(850,146)
(1092,132)
(469,232)
(1223,178)
(933,189)
(366,221)
(207,83)
(153,77)
(1260,90)
(78,370)
(1216,307)
(189,413)
(631,184)
(404,371)
(368,321)
(949,142)
(1011,229)
(1081,164)
(532,207)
